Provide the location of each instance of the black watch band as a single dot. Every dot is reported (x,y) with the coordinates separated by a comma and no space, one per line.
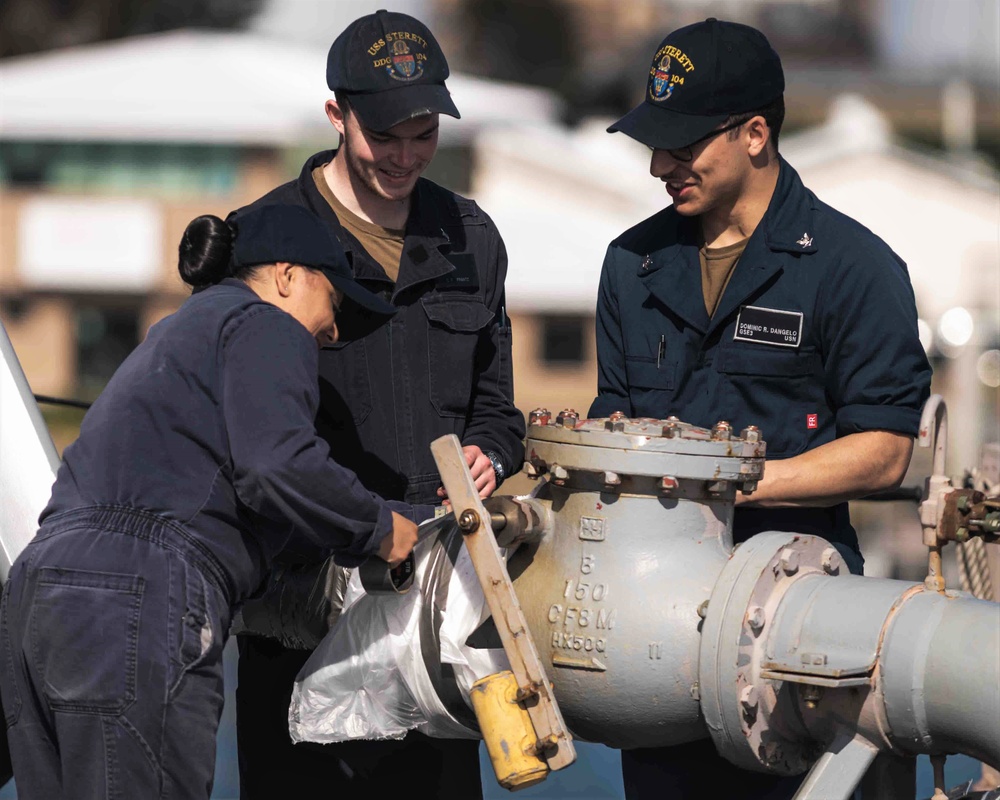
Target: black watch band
(497,465)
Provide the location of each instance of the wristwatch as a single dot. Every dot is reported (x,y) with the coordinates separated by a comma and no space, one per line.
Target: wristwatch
(497,465)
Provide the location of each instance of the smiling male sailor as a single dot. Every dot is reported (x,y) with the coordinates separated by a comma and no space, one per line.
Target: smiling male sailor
(750,301)
(442,365)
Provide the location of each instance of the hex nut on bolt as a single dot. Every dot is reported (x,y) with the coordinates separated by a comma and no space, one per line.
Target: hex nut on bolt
(559,474)
(789,561)
(756,619)
(750,434)
(612,479)
(722,430)
(539,416)
(534,469)
(616,422)
(468,521)
(831,561)
(748,700)
(568,418)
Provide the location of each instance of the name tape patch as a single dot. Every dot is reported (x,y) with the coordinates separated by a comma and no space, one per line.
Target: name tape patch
(769,326)
(465,276)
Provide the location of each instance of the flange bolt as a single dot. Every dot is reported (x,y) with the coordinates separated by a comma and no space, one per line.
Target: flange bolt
(539,416)
(722,430)
(559,475)
(748,701)
(615,422)
(568,418)
(751,434)
(468,521)
(789,561)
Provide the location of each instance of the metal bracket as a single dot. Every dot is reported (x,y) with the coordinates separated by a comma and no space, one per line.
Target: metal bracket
(534,687)
(839,769)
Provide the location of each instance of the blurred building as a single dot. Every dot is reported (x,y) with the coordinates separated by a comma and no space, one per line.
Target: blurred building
(108,151)
(899,54)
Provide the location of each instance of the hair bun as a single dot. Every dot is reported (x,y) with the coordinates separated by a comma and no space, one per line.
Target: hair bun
(205,251)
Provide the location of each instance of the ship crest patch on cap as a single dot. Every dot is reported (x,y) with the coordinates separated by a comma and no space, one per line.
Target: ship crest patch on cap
(404,65)
(666,72)
(400,61)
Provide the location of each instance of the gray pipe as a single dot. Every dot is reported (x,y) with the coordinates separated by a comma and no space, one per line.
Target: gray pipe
(941,675)
(938,656)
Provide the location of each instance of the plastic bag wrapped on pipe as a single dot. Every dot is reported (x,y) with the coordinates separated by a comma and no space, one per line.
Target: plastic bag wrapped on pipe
(394,663)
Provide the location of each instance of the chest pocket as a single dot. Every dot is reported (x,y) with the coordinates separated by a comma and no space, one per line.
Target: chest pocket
(644,373)
(778,390)
(777,363)
(453,329)
(344,367)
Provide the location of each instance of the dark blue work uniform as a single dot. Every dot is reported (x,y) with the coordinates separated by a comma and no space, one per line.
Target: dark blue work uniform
(191,471)
(441,365)
(814,338)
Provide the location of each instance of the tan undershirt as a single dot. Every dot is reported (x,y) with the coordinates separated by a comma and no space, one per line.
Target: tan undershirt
(385,245)
(717,265)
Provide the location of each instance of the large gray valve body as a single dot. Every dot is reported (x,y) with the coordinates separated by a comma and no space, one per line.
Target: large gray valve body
(641,527)
(659,632)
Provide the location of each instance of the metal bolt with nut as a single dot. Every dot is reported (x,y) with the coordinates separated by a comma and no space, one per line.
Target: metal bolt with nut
(559,475)
(468,521)
(539,416)
(722,430)
(789,561)
(568,418)
(756,619)
(751,434)
(749,701)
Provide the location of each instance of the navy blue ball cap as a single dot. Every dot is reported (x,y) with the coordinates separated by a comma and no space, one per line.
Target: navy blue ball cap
(283,233)
(391,68)
(700,76)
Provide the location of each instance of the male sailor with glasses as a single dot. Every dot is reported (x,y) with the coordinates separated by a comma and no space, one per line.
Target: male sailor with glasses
(749,300)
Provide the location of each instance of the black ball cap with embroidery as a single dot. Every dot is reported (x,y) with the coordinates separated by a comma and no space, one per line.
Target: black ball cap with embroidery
(391,68)
(701,75)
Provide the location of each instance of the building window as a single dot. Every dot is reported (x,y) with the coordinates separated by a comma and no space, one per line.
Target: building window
(169,170)
(563,340)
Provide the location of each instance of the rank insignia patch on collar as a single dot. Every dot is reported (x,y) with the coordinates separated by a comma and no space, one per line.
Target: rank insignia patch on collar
(805,241)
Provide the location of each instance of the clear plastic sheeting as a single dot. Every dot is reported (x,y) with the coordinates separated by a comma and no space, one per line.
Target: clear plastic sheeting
(397,662)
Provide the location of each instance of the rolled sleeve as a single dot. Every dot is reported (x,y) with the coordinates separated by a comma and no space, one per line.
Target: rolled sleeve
(876,370)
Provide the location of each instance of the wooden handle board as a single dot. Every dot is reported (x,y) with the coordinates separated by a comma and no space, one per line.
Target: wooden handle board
(525,663)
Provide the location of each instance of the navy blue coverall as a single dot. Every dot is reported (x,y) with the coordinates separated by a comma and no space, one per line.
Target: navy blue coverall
(191,471)
(441,365)
(814,338)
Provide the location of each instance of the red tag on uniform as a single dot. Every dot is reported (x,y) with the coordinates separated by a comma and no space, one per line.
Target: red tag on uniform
(812,421)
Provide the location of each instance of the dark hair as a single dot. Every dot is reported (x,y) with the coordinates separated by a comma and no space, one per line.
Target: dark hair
(773,114)
(343,101)
(203,255)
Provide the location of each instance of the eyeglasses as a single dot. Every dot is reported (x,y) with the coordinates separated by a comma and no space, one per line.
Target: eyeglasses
(685,154)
